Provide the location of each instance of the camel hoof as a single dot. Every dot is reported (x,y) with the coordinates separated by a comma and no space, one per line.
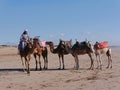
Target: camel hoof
(40,69)
(97,67)
(89,69)
(46,68)
(63,68)
(107,67)
(28,72)
(23,70)
(92,69)
(76,68)
(59,68)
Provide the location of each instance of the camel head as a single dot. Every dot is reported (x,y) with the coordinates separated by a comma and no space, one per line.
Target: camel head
(29,45)
(50,43)
(91,46)
(67,43)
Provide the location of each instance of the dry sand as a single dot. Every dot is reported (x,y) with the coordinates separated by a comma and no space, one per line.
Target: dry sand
(13,78)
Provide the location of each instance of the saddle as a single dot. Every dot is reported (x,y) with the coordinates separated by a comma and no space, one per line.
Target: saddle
(43,44)
(81,45)
(102,45)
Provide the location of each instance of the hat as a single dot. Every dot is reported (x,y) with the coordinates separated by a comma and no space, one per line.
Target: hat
(26,30)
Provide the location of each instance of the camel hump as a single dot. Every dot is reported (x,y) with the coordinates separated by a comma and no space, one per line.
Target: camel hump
(83,43)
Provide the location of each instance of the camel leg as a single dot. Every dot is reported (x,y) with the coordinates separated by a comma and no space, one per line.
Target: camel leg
(40,63)
(27,66)
(109,59)
(97,61)
(92,61)
(35,56)
(23,64)
(59,62)
(100,62)
(46,62)
(75,66)
(92,64)
(109,62)
(63,61)
(46,58)
(77,62)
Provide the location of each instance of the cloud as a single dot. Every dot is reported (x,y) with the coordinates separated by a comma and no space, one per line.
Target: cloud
(51,36)
(62,34)
(87,33)
(56,36)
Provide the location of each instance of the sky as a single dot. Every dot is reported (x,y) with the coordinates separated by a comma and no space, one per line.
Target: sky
(94,20)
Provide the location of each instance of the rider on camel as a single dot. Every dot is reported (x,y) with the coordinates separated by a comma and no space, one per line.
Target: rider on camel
(24,38)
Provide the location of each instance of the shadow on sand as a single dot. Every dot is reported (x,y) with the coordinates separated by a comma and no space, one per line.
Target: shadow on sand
(32,69)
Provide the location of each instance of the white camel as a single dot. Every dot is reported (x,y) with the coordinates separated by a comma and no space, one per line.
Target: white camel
(103,48)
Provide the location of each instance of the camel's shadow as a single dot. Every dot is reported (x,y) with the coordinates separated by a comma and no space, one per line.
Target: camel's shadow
(33,69)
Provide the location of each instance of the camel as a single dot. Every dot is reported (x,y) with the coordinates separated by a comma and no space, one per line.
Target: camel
(100,49)
(60,50)
(26,54)
(82,48)
(67,43)
(40,51)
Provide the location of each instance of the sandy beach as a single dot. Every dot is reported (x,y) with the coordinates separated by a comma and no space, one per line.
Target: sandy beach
(13,78)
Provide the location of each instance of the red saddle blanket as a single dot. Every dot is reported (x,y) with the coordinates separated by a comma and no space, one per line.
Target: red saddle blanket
(102,45)
(43,43)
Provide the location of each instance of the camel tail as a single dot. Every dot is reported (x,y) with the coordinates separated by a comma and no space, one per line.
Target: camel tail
(109,52)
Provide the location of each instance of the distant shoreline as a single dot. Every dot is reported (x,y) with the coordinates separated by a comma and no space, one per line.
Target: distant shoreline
(115,47)
(8,45)
(112,47)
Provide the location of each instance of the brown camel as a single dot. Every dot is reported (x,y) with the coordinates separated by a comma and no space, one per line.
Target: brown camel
(67,43)
(82,48)
(26,54)
(60,50)
(103,48)
(39,50)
